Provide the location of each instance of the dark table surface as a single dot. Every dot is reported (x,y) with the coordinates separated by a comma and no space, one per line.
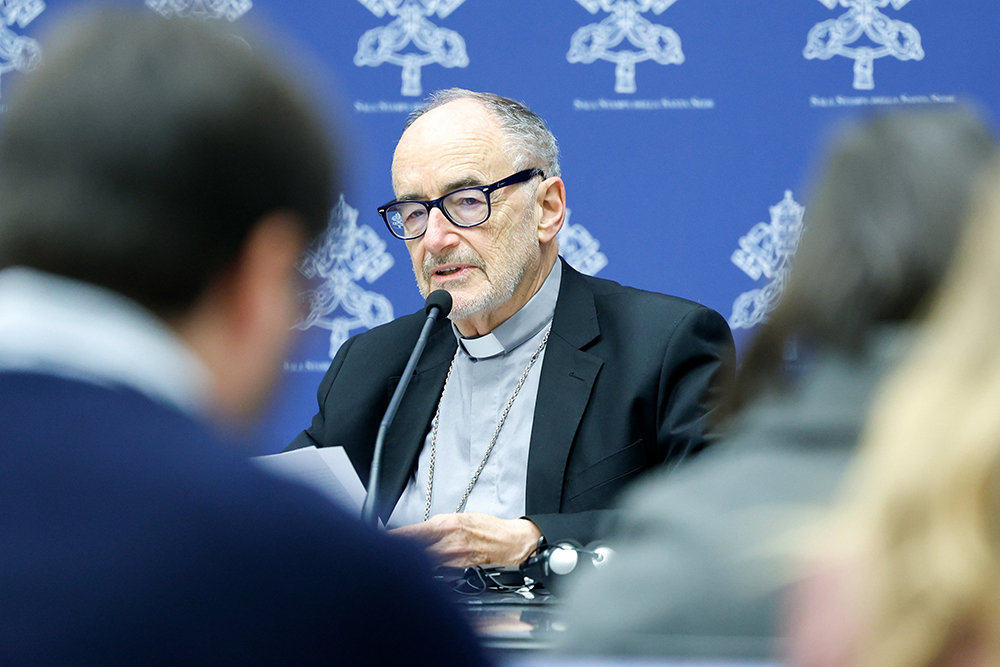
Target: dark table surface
(525,628)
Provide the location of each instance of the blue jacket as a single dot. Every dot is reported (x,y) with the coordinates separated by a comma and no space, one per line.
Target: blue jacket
(130,533)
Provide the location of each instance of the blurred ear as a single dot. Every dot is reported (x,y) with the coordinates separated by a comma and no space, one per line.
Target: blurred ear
(551,196)
(241,326)
(264,275)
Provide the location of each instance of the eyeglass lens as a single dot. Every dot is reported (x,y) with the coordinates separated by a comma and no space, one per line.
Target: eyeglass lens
(465,208)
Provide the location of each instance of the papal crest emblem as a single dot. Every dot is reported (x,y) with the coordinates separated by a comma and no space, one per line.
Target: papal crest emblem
(411,40)
(343,255)
(17,52)
(626,23)
(864,34)
(201,9)
(580,249)
(766,252)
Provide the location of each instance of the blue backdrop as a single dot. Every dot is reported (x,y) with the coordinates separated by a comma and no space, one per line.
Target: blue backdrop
(686,127)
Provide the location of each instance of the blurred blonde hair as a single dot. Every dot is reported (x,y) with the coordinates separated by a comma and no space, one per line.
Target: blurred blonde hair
(922,504)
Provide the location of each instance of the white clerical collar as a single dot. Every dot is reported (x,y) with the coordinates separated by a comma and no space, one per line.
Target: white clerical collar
(58,326)
(519,327)
(483,347)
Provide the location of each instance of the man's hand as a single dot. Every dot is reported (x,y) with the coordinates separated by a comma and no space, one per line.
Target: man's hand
(461,540)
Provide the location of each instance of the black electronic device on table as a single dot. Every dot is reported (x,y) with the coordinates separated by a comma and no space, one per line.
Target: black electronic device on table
(545,571)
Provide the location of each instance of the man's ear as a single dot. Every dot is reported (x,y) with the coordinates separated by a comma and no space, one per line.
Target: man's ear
(263,272)
(551,196)
(240,327)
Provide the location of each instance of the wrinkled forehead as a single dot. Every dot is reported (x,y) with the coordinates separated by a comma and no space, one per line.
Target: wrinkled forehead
(456,144)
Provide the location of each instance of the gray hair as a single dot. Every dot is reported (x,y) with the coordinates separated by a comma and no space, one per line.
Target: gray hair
(527,139)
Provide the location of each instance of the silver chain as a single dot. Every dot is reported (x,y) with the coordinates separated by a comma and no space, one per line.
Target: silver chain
(496,433)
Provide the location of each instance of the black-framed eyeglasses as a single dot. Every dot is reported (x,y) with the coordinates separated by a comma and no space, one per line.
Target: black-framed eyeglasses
(467,207)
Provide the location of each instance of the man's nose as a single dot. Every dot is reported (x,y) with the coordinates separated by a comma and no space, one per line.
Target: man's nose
(440,232)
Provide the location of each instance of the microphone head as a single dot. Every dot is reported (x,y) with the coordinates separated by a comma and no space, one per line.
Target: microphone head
(439,299)
(563,559)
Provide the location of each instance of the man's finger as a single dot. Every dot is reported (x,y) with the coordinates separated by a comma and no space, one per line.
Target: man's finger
(421,532)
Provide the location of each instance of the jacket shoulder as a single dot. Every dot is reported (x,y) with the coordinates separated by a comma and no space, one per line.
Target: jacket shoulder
(404,325)
(615,297)
(389,338)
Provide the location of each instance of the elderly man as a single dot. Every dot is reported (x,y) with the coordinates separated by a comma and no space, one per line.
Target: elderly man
(159,182)
(549,390)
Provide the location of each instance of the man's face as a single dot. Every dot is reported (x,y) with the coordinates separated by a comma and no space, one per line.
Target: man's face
(454,146)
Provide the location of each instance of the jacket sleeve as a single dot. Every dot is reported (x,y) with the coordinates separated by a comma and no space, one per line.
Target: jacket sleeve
(697,368)
(697,371)
(315,435)
(580,528)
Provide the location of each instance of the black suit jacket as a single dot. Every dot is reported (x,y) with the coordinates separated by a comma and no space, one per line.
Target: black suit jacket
(627,382)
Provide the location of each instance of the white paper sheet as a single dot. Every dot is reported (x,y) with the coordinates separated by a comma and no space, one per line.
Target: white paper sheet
(328,470)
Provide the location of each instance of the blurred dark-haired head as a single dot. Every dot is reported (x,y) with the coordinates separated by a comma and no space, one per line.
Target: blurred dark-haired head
(879,234)
(143,150)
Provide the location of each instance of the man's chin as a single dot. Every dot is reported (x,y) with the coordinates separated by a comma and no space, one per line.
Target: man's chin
(458,287)
(467,297)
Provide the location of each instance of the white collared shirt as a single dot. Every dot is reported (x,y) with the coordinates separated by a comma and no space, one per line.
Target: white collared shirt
(58,326)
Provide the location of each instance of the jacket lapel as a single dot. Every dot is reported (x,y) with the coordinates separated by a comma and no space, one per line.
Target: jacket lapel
(564,388)
(405,437)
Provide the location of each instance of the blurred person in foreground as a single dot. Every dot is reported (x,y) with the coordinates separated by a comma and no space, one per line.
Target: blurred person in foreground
(158,181)
(909,575)
(700,563)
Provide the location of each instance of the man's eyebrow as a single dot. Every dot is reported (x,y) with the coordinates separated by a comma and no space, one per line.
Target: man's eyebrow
(458,184)
(464,182)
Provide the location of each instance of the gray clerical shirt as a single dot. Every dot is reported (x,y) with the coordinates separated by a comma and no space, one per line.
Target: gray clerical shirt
(486,370)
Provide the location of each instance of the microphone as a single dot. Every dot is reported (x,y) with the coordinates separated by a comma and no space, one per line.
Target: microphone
(550,564)
(437,306)
(440,299)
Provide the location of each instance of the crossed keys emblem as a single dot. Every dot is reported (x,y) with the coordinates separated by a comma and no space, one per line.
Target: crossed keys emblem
(599,41)
(888,37)
(411,40)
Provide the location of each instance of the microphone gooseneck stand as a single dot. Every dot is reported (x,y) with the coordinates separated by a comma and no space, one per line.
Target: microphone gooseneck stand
(437,306)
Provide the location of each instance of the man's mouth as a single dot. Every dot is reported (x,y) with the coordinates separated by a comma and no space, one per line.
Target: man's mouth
(452,266)
(451,270)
